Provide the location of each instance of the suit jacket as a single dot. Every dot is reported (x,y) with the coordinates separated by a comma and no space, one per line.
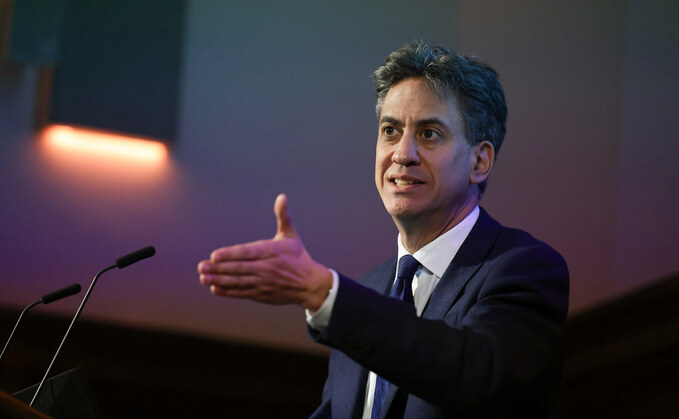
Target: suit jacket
(488,343)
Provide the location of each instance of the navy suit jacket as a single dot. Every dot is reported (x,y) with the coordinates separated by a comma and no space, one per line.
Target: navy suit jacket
(488,343)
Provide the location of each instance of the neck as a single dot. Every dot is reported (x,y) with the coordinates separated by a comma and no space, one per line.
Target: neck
(418,232)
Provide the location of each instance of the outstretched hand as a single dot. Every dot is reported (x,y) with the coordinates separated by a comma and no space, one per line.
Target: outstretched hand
(275,271)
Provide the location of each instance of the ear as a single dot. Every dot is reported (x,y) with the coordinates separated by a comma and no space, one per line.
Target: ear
(483,155)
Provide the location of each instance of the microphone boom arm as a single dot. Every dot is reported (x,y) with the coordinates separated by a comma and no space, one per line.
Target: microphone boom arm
(17,324)
(77,314)
(46,299)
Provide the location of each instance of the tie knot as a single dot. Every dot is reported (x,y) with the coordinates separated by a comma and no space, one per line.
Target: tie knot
(402,288)
(407,266)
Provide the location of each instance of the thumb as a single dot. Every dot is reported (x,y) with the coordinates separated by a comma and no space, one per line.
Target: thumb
(284,224)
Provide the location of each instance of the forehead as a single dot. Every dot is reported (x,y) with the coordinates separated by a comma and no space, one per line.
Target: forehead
(414,98)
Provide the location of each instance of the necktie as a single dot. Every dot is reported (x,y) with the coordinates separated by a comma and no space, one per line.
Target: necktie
(403,290)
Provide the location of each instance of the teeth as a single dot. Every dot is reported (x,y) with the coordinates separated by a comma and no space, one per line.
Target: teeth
(401,182)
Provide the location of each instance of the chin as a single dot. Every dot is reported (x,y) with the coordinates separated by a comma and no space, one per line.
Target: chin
(403,212)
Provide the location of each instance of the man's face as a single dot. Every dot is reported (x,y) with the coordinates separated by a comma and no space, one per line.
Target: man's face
(423,161)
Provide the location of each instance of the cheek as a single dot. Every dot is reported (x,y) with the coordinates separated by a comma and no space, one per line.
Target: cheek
(382,163)
(459,172)
(450,173)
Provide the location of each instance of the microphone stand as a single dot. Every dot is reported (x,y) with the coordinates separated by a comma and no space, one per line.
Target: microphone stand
(45,299)
(77,314)
(17,324)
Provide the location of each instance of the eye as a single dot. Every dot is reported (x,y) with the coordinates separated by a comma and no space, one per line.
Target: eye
(389,130)
(429,134)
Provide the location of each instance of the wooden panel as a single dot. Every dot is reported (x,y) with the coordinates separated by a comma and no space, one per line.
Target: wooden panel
(623,357)
(134,372)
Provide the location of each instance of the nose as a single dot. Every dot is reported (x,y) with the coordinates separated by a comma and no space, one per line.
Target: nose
(405,152)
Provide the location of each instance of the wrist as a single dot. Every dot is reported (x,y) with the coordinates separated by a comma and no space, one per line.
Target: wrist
(320,291)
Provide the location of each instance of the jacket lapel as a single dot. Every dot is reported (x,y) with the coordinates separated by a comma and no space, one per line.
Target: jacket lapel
(354,376)
(382,277)
(467,261)
(351,386)
(382,282)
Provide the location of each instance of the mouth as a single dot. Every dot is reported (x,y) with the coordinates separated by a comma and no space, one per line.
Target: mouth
(401,182)
(404,182)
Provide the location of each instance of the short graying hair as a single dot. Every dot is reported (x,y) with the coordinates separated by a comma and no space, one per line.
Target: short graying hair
(473,84)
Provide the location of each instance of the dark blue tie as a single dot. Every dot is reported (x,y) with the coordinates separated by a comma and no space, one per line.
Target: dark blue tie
(403,290)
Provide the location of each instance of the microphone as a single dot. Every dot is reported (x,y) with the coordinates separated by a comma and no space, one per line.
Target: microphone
(135,257)
(45,299)
(59,294)
(121,262)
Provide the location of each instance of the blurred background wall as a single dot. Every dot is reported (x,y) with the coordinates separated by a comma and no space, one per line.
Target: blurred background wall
(277,97)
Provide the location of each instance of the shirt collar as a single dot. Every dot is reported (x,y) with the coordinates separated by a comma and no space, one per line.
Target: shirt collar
(439,253)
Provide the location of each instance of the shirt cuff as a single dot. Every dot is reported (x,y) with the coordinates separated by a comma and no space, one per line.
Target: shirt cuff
(320,319)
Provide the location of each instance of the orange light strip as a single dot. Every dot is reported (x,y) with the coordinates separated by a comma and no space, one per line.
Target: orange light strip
(104,144)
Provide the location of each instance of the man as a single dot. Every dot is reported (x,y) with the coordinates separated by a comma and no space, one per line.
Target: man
(474,324)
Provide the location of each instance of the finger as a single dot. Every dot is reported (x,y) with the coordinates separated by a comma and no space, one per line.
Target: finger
(260,249)
(229,282)
(283,221)
(237,268)
(203,266)
(251,293)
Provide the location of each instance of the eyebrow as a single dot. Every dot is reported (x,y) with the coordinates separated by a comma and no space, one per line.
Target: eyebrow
(390,120)
(421,123)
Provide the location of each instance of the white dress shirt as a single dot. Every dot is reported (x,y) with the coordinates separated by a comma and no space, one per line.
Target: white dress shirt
(434,259)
